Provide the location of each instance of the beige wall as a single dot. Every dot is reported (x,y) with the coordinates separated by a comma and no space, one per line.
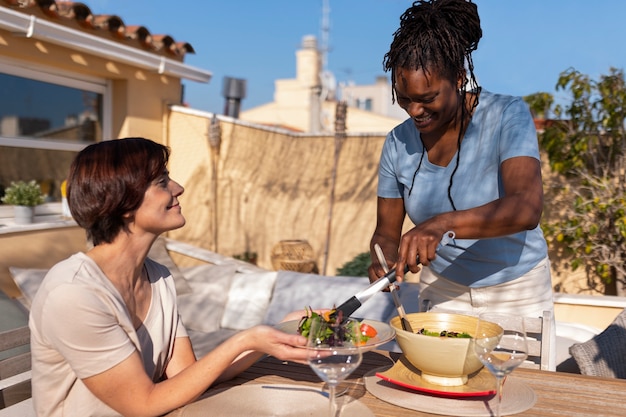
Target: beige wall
(272,186)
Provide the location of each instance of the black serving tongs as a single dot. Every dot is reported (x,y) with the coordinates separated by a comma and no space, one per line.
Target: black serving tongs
(357,300)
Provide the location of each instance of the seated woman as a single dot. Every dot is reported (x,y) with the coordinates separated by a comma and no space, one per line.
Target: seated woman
(107,339)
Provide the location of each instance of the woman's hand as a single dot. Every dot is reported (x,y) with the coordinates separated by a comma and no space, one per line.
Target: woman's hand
(281,345)
(419,245)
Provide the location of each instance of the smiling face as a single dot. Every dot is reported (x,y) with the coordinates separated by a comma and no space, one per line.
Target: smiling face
(160,210)
(431,101)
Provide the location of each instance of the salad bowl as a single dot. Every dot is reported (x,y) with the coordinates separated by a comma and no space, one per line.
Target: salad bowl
(442,360)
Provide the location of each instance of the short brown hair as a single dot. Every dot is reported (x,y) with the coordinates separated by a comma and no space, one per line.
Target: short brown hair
(108,180)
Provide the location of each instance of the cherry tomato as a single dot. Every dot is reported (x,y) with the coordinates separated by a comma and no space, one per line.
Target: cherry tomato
(367,330)
(327,314)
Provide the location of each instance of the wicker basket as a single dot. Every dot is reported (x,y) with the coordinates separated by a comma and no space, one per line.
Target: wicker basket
(293,255)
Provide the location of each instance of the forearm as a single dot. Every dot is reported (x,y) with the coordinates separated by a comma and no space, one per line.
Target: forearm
(240,364)
(142,397)
(225,361)
(390,218)
(509,215)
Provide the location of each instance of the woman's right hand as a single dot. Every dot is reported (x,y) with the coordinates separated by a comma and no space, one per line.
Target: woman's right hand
(281,345)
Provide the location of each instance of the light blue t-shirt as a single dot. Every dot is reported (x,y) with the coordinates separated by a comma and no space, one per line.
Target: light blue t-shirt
(501,128)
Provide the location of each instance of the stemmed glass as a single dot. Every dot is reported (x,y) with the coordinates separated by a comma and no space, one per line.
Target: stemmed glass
(333,353)
(500,351)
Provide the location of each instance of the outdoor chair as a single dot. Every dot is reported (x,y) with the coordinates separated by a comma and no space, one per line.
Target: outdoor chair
(604,354)
(538,330)
(15,375)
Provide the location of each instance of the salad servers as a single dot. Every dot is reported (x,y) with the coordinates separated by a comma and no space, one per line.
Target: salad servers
(406,325)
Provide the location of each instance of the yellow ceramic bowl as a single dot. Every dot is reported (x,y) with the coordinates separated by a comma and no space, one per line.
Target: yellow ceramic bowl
(443,361)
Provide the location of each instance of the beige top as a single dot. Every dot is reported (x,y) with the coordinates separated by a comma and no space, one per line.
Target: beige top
(80,327)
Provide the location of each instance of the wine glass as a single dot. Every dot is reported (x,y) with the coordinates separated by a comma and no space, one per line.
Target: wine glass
(333,353)
(500,344)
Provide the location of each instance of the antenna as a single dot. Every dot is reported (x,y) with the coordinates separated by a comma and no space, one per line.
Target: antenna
(327,79)
(325,33)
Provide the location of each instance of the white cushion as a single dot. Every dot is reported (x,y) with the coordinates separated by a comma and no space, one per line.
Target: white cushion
(248,299)
(28,281)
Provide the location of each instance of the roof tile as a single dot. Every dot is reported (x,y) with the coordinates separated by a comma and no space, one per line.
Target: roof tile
(69,13)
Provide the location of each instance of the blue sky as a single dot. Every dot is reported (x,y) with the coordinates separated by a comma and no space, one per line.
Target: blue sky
(525,45)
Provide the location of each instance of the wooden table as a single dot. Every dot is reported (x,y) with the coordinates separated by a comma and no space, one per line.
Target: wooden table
(558,394)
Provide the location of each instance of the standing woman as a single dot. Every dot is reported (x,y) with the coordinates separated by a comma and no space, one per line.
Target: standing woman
(467,161)
(106,337)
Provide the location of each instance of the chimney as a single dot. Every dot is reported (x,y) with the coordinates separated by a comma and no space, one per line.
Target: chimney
(233,90)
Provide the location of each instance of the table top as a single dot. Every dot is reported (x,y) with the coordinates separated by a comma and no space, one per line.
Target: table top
(557,393)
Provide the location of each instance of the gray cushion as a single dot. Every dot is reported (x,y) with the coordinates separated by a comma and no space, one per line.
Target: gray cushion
(203,342)
(158,252)
(604,354)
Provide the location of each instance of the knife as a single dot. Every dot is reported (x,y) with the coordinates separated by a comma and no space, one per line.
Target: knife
(357,300)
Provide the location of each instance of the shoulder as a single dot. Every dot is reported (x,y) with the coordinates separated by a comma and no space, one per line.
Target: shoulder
(489,102)
(77,271)
(75,288)
(403,129)
(404,135)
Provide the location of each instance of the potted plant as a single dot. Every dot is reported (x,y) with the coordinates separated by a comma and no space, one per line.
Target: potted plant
(24,196)
(247,256)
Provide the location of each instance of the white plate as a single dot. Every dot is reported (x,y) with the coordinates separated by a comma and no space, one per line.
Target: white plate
(271,400)
(385,333)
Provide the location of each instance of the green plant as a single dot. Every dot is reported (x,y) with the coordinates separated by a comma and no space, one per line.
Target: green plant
(587,148)
(23,193)
(540,104)
(247,256)
(357,267)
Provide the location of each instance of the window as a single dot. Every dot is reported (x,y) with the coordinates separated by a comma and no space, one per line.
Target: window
(46,117)
(42,110)
(364,104)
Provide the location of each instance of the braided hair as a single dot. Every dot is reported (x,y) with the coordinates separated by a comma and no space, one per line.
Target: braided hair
(438,36)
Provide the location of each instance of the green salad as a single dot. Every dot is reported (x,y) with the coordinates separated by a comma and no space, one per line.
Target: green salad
(365,332)
(445,333)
